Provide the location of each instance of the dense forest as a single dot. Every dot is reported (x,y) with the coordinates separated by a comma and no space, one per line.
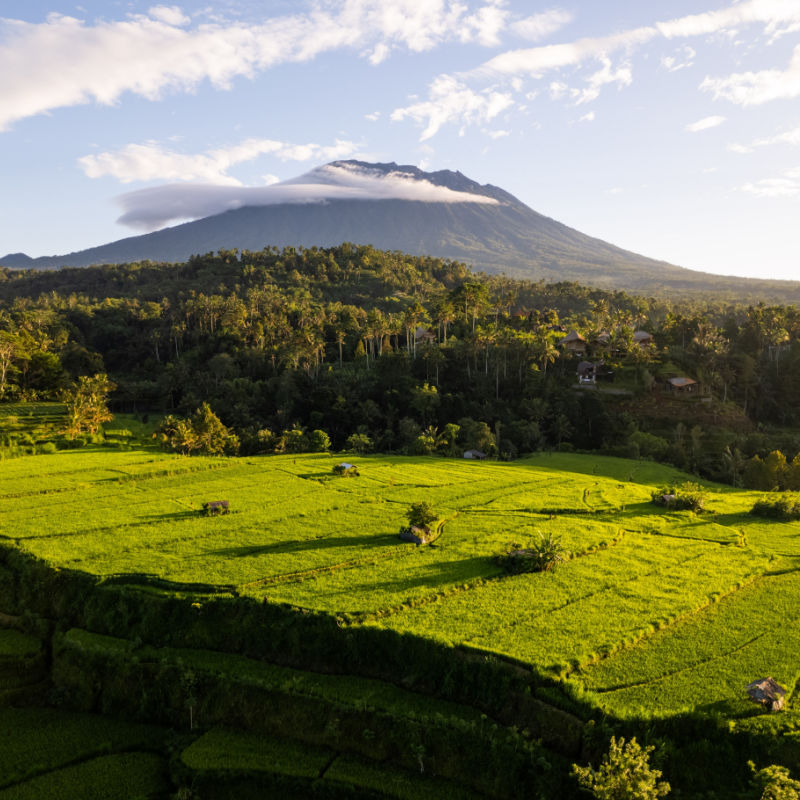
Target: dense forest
(396,353)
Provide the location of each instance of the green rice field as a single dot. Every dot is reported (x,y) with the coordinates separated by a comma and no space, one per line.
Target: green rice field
(653,613)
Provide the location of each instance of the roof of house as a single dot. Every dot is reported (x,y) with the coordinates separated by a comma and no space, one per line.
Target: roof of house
(641,336)
(585,366)
(679,382)
(572,336)
(476,453)
(345,465)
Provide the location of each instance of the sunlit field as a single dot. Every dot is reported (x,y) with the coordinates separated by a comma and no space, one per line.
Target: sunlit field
(653,612)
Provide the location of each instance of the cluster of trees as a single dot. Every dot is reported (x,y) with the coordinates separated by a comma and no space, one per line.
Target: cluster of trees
(380,350)
(773,473)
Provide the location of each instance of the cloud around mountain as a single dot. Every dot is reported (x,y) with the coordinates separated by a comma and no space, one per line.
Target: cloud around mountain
(157,206)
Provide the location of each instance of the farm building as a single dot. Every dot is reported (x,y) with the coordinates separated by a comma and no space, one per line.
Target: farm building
(476,454)
(344,468)
(768,692)
(573,342)
(642,338)
(681,385)
(424,335)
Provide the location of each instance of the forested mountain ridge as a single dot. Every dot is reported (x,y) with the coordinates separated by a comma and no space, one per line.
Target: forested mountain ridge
(502,237)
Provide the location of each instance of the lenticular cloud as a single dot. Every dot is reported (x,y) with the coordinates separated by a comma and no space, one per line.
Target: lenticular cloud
(154,207)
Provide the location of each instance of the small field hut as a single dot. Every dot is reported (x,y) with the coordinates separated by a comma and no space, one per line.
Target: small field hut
(768,692)
(476,454)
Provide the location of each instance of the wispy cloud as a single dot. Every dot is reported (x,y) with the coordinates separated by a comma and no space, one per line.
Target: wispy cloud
(152,161)
(786,186)
(66,61)
(755,88)
(683,58)
(777,17)
(704,124)
(151,208)
(790,137)
(540,26)
(450,100)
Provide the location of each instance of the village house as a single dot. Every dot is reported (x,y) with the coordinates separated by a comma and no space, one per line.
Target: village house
(642,338)
(681,386)
(573,342)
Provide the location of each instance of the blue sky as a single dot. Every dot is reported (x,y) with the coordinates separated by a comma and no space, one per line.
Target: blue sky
(668,128)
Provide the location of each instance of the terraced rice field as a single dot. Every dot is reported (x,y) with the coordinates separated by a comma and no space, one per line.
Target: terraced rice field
(654,612)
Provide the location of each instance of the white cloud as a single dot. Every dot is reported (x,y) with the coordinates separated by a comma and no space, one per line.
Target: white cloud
(373,117)
(499,134)
(485,25)
(540,26)
(171,15)
(453,101)
(587,117)
(154,207)
(682,59)
(791,137)
(151,161)
(704,124)
(65,62)
(755,88)
(776,16)
(786,186)
(622,76)
(538,60)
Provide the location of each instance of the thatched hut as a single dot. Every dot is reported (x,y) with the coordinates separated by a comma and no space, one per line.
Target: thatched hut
(768,692)
(416,535)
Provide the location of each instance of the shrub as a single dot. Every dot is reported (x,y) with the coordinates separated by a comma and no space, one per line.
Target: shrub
(421,515)
(624,774)
(775,783)
(359,443)
(319,441)
(688,496)
(783,507)
(542,556)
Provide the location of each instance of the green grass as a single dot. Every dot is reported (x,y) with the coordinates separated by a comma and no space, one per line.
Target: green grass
(15,645)
(226,750)
(342,690)
(125,776)
(639,588)
(34,741)
(393,782)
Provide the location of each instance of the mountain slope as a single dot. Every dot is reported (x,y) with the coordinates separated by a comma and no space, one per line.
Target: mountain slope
(503,235)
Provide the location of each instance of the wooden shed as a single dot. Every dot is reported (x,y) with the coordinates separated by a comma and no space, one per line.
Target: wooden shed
(476,454)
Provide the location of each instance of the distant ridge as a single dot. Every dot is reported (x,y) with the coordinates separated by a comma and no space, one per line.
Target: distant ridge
(504,236)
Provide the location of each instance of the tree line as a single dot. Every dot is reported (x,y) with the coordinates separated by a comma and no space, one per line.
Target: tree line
(385,351)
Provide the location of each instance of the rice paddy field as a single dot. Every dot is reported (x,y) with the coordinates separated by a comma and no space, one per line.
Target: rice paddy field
(653,613)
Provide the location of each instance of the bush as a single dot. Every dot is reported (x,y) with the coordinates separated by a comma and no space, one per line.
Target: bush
(688,496)
(782,507)
(624,774)
(542,556)
(359,443)
(421,515)
(775,783)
